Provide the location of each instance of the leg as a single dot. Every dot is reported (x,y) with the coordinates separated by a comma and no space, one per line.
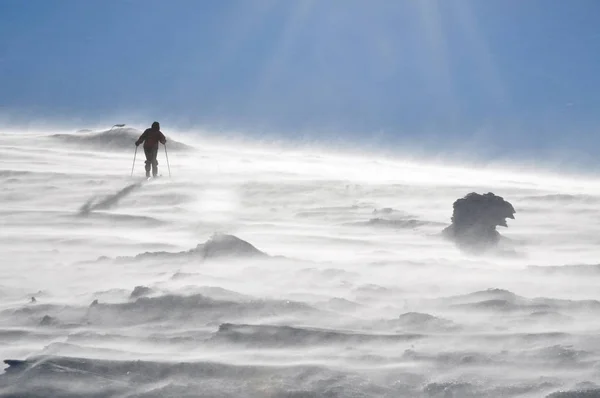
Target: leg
(148,152)
(154,161)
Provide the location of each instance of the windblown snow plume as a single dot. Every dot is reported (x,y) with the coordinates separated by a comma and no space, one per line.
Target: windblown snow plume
(109,201)
(256,272)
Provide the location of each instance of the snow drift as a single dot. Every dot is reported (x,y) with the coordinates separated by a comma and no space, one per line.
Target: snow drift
(375,303)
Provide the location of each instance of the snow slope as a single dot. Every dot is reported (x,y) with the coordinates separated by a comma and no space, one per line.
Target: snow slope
(283,273)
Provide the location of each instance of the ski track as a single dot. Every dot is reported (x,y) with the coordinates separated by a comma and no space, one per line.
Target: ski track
(358,295)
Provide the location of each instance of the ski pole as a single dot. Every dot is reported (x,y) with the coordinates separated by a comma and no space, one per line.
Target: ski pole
(167,156)
(132,166)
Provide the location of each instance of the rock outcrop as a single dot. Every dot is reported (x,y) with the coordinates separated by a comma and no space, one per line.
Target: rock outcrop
(474,221)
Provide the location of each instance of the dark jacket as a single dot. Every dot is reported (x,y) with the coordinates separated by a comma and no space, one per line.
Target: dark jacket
(151,138)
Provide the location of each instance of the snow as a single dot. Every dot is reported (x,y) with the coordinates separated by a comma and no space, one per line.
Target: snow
(271,272)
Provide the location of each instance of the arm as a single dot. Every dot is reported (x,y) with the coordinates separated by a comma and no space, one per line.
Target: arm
(142,138)
(161,138)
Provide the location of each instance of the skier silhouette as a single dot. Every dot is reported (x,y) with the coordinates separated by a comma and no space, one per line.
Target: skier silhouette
(151,137)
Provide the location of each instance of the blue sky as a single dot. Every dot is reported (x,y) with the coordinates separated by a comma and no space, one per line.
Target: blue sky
(506,75)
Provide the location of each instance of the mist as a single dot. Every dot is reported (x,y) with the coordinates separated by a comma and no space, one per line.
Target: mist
(284,270)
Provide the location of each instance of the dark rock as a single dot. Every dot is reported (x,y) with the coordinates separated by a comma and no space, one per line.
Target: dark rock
(47,320)
(474,221)
(140,291)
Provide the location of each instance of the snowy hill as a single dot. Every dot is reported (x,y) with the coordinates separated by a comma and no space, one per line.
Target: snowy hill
(115,139)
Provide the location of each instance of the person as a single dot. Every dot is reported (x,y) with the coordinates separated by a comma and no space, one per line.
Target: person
(151,137)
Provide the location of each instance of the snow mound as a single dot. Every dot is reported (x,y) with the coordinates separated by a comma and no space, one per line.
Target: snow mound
(175,309)
(115,139)
(277,336)
(218,246)
(222,245)
(410,223)
(504,300)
